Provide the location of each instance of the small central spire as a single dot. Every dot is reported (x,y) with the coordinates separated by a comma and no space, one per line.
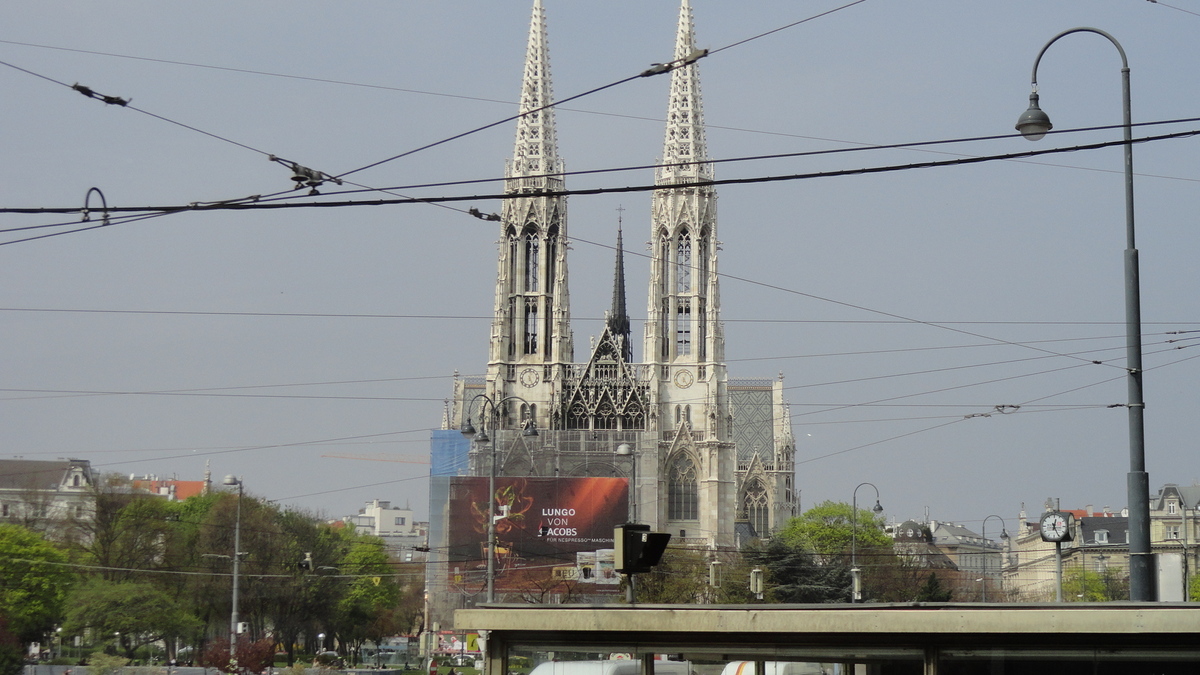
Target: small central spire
(618,317)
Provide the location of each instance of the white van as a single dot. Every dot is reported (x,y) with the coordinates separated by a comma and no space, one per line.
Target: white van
(610,667)
(773,668)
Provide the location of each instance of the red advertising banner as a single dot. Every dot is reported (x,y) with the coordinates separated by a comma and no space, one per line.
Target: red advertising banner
(548,530)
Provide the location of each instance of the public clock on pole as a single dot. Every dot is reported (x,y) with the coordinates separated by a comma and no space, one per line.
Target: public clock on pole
(1056,526)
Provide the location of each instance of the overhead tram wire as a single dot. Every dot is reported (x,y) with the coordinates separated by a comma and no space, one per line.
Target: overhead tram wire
(656,69)
(492,100)
(424,92)
(488,317)
(969,417)
(296,166)
(259,205)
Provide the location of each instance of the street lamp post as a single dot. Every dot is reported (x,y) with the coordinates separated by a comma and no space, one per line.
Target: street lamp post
(1033,124)
(237,546)
(528,428)
(855,576)
(983,533)
(626,450)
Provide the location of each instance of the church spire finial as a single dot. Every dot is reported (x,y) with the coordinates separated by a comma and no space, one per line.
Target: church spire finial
(684,142)
(618,318)
(536,150)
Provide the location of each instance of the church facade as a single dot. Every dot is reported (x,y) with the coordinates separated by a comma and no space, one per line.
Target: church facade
(710,458)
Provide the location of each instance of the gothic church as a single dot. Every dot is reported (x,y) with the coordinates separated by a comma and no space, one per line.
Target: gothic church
(710,457)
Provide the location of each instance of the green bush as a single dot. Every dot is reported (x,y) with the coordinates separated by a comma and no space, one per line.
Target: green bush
(105,664)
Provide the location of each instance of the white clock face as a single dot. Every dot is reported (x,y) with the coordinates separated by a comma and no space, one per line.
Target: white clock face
(1054,527)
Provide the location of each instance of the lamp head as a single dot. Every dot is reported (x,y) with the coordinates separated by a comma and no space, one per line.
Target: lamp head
(530,428)
(878,508)
(1034,123)
(624,450)
(231,480)
(482,436)
(467,429)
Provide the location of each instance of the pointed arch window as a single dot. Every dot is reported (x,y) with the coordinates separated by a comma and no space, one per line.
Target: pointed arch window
(755,508)
(633,418)
(606,417)
(514,323)
(551,259)
(683,498)
(513,250)
(528,413)
(683,327)
(683,263)
(664,262)
(664,313)
(532,246)
(577,417)
(531,325)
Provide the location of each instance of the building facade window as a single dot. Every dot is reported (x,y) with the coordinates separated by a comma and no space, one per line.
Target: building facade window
(1171,508)
(531,325)
(682,490)
(683,328)
(531,262)
(755,508)
(400,520)
(1173,532)
(683,264)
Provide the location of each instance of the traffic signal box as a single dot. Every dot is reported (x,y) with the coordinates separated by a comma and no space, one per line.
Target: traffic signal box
(637,549)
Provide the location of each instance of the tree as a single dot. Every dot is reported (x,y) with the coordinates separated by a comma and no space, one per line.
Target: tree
(12,660)
(33,582)
(794,573)
(248,657)
(135,611)
(932,590)
(680,577)
(1081,585)
(371,592)
(828,529)
(127,530)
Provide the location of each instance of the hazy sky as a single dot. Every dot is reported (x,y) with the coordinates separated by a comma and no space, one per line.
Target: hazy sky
(906,309)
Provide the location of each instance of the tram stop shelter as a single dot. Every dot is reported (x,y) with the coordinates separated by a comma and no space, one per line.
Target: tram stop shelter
(871,639)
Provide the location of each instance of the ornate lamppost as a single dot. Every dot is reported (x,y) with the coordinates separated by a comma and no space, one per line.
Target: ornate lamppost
(855,573)
(528,428)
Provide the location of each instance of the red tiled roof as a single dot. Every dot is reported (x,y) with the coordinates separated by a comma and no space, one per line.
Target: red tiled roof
(183,488)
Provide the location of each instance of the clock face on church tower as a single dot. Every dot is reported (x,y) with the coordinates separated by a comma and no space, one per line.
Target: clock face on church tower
(683,379)
(530,377)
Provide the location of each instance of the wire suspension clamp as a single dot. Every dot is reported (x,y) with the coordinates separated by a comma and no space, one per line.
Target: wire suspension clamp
(87,210)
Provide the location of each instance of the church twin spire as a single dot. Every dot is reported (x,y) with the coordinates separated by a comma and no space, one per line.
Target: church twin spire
(684,145)
(682,325)
(532,311)
(531,324)
(536,151)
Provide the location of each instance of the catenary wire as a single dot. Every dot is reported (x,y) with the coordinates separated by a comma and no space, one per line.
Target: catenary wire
(869,170)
